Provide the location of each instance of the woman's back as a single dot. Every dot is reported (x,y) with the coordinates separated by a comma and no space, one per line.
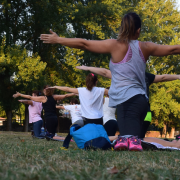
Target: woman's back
(49,107)
(128,76)
(91,102)
(35,111)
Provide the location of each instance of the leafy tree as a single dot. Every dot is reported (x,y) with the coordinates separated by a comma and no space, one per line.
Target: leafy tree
(17,71)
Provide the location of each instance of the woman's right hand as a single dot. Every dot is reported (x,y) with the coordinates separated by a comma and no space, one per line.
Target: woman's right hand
(49,38)
(52,87)
(16,95)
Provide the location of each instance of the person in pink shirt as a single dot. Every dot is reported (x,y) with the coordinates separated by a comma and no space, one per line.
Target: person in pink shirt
(35,109)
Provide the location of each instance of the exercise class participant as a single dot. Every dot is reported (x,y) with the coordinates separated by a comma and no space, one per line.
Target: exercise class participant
(49,106)
(35,109)
(91,99)
(76,117)
(128,62)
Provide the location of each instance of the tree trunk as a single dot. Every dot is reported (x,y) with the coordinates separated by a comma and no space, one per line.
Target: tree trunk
(9,120)
(171,135)
(26,123)
(164,133)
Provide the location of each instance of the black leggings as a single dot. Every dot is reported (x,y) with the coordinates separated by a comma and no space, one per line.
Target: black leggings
(51,124)
(95,121)
(131,115)
(111,127)
(145,128)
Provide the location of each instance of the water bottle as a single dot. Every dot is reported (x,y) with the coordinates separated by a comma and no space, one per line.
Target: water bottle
(42,131)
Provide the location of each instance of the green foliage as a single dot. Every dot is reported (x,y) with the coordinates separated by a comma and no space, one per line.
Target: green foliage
(18,71)
(22,22)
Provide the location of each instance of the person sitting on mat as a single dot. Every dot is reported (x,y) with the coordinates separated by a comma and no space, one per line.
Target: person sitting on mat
(35,109)
(76,117)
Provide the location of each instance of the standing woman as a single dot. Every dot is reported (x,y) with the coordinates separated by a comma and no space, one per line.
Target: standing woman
(91,99)
(35,109)
(128,62)
(49,106)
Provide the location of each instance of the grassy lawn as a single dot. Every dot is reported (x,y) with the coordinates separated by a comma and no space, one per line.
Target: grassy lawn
(22,157)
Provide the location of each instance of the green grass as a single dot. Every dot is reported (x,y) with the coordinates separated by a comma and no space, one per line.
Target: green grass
(25,158)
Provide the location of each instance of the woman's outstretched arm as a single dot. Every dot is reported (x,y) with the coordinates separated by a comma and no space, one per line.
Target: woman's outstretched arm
(153,49)
(60,97)
(60,107)
(66,89)
(165,77)
(100,71)
(33,98)
(103,46)
(29,102)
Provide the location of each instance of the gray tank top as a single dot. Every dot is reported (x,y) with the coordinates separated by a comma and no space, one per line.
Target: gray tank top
(128,77)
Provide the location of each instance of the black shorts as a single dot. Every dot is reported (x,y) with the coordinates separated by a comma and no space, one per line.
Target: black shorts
(95,121)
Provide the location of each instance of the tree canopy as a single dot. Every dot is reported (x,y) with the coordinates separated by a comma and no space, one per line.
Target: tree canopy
(26,63)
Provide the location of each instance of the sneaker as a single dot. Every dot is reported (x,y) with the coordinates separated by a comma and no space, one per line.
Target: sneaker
(134,144)
(121,144)
(49,136)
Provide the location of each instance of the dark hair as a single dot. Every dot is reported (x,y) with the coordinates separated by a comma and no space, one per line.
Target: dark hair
(130,23)
(38,93)
(74,101)
(49,92)
(91,80)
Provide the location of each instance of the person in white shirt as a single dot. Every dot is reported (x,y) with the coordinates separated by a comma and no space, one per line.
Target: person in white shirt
(109,119)
(91,99)
(76,117)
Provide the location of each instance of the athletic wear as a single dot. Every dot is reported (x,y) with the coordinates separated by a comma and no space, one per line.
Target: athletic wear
(148,117)
(50,115)
(134,144)
(121,144)
(128,79)
(149,78)
(51,125)
(93,121)
(131,115)
(91,102)
(75,111)
(49,107)
(111,127)
(35,112)
(69,137)
(109,112)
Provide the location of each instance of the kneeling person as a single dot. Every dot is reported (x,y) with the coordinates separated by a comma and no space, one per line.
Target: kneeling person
(76,117)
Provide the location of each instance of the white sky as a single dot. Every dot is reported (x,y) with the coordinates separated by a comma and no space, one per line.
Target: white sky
(178,3)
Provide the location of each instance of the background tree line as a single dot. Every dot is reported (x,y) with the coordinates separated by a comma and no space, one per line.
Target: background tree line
(27,64)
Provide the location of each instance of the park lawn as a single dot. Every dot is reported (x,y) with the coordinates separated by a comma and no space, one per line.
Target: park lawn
(25,158)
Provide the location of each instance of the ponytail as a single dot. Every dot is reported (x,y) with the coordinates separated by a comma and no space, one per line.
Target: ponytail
(130,23)
(91,80)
